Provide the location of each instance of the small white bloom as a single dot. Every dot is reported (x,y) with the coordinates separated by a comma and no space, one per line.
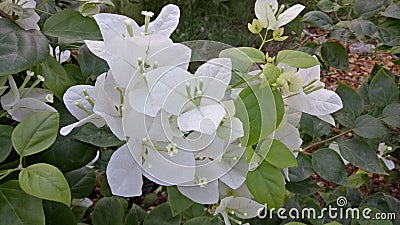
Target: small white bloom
(30,73)
(41,78)
(203,181)
(50,98)
(172,150)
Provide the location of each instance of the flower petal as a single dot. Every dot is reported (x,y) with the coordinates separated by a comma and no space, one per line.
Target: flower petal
(27,107)
(203,195)
(166,22)
(124,175)
(289,15)
(75,94)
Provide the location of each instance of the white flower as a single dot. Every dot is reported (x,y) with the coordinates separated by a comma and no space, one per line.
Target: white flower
(382,148)
(266,13)
(80,102)
(62,56)
(25,10)
(23,102)
(313,99)
(241,207)
(147,13)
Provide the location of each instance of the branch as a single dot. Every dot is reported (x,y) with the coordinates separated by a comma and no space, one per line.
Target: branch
(326,140)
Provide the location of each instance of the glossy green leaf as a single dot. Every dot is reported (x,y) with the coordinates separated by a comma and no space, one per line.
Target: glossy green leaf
(35,133)
(353,105)
(369,127)
(296,59)
(109,211)
(162,215)
(135,216)
(81,182)
(383,202)
(279,155)
(318,19)
(255,108)
(91,65)
(57,213)
(304,187)
(361,155)
(329,165)
(20,49)
(371,215)
(391,115)
(243,57)
(74,72)
(368,8)
(267,185)
(19,208)
(383,89)
(5,141)
(102,137)
(313,126)
(71,25)
(303,170)
(177,201)
(56,79)
(335,55)
(45,181)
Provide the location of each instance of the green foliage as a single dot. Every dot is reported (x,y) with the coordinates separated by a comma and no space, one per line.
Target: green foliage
(45,181)
(71,26)
(177,201)
(102,137)
(329,165)
(36,133)
(296,59)
(335,55)
(5,141)
(109,210)
(267,185)
(20,49)
(162,215)
(19,208)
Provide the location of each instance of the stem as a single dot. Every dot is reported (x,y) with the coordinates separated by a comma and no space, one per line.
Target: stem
(326,140)
(8,172)
(245,81)
(263,39)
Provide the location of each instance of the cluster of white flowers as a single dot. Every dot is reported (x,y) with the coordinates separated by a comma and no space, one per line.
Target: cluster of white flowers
(25,10)
(180,128)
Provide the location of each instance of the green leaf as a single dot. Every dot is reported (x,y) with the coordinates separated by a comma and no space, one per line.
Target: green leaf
(295,223)
(109,211)
(243,57)
(260,117)
(392,11)
(271,72)
(267,185)
(162,215)
(353,105)
(364,27)
(195,210)
(45,181)
(368,8)
(57,213)
(203,220)
(361,155)
(358,179)
(5,141)
(303,170)
(369,127)
(35,133)
(56,78)
(391,115)
(74,72)
(81,182)
(279,155)
(72,26)
(329,165)
(102,137)
(304,187)
(91,65)
(389,32)
(177,201)
(296,59)
(318,19)
(135,216)
(20,49)
(19,208)
(313,126)
(335,55)
(328,6)
(383,89)
(383,202)
(373,213)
